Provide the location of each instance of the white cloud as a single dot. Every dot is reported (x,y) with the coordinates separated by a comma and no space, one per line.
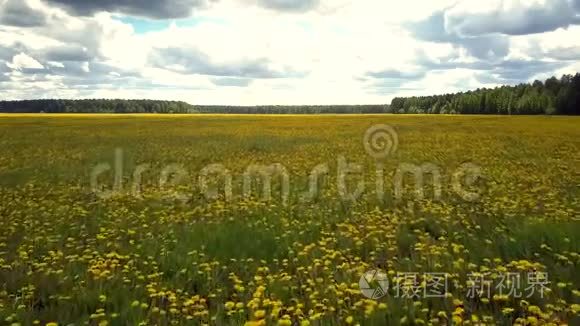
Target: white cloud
(55,64)
(260,52)
(24,61)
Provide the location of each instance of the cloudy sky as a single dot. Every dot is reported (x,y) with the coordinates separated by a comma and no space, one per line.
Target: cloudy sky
(280,51)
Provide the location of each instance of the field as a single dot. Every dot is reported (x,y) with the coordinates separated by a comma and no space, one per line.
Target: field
(505,242)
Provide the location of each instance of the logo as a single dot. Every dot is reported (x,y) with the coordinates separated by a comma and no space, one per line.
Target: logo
(381,141)
(374,284)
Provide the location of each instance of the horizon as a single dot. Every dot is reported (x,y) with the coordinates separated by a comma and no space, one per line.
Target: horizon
(272,104)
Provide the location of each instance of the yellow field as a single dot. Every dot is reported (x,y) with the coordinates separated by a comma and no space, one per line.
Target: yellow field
(106,219)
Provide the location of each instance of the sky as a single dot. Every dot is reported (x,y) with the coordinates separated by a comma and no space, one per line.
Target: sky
(286,52)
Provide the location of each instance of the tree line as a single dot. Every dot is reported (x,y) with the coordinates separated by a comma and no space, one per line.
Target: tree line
(295,109)
(152,106)
(554,96)
(96,106)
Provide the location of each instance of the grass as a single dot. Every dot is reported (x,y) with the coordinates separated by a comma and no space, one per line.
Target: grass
(70,257)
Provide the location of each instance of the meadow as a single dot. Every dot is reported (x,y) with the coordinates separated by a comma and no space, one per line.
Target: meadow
(160,252)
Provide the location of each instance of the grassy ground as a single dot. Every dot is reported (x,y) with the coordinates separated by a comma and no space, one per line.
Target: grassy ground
(70,256)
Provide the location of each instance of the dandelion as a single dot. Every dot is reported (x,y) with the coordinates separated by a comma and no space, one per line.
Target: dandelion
(259,314)
(507,311)
(230,305)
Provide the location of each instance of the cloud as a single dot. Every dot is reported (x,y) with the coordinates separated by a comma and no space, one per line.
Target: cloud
(511,17)
(485,28)
(390,81)
(289,5)
(193,61)
(4,71)
(502,71)
(232,82)
(559,45)
(156,9)
(66,53)
(397,74)
(19,13)
(7,52)
(24,61)
(471,19)
(515,71)
(434,29)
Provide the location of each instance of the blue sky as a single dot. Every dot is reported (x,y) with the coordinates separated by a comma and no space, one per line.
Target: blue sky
(280,52)
(143,25)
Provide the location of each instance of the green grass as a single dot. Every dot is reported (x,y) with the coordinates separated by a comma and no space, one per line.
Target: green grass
(68,256)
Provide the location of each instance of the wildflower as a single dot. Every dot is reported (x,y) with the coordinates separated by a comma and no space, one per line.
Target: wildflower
(259,314)
(229,305)
(507,311)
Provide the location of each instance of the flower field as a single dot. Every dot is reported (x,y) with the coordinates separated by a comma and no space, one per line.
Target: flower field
(104,221)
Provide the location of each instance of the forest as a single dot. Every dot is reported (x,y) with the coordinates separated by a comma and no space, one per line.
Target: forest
(95,106)
(553,96)
(295,109)
(153,106)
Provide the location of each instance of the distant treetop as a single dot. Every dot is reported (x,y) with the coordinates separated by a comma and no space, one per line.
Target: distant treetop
(554,96)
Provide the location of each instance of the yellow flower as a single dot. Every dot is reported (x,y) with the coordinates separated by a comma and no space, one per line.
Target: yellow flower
(535,310)
(507,311)
(349,320)
(255,323)
(230,305)
(259,314)
(532,320)
(561,285)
